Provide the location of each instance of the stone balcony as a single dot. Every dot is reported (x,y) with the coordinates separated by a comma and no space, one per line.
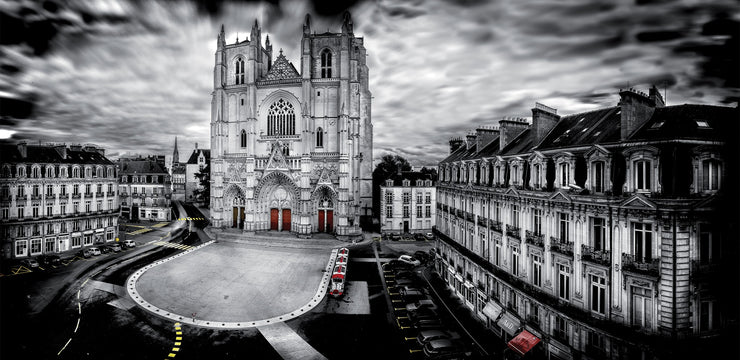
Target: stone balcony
(537,240)
(513,232)
(495,225)
(565,248)
(640,265)
(601,257)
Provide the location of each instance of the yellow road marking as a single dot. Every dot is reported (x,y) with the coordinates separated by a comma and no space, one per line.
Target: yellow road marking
(410,338)
(171,355)
(414,350)
(178,332)
(138,226)
(402,317)
(178,338)
(175,349)
(177,343)
(160,225)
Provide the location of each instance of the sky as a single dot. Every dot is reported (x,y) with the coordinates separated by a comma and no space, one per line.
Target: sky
(130,76)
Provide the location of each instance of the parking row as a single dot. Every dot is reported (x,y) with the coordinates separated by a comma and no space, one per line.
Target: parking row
(408,236)
(417,316)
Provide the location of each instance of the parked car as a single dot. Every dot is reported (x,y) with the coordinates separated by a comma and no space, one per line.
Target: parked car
(421,304)
(411,294)
(86,253)
(115,247)
(95,251)
(129,244)
(395,237)
(426,336)
(408,282)
(48,260)
(422,313)
(429,236)
(423,256)
(419,237)
(405,274)
(444,348)
(30,263)
(408,259)
(427,324)
(407,237)
(396,264)
(104,249)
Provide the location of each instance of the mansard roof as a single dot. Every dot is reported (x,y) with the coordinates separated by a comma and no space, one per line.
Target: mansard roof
(588,128)
(412,176)
(522,143)
(146,166)
(10,154)
(282,69)
(696,122)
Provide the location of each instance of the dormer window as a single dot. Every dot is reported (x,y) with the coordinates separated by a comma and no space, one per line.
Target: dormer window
(642,174)
(711,174)
(563,172)
(428,183)
(406,183)
(35,172)
(389,182)
(50,171)
(419,182)
(597,176)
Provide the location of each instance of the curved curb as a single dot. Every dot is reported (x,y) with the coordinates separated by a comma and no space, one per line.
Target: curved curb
(139,300)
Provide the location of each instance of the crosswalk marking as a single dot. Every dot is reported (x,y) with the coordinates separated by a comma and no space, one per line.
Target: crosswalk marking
(160,225)
(140,231)
(172,245)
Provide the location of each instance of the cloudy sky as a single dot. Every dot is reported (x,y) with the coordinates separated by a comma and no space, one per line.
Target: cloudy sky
(130,76)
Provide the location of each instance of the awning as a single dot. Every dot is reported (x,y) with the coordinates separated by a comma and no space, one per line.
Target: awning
(492,310)
(523,342)
(509,323)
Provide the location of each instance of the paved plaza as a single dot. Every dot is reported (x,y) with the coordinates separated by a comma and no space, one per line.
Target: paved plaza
(235,282)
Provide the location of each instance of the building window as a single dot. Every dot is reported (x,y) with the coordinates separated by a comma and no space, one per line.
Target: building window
(564,281)
(49,228)
(35,172)
(515,215)
(536,176)
(21,212)
(87,206)
(21,248)
(418,211)
(326,63)
(711,174)
(21,191)
(243,139)
(239,71)
(515,261)
(598,233)
(598,294)
(642,241)
(35,246)
(389,211)
(428,211)
(48,210)
(5,213)
(281,118)
(537,221)
(319,137)
(564,227)
(63,228)
(428,198)
(642,175)
(497,253)
(564,169)
(709,245)
(708,316)
(406,198)
(35,210)
(597,176)
(642,304)
(76,241)
(537,270)
(560,330)
(406,211)
(35,191)
(49,246)
(49,190)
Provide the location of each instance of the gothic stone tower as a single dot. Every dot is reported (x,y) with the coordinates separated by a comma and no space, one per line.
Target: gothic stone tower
(291,151)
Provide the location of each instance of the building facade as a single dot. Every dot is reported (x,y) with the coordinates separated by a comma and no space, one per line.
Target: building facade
(598,232)
(292,151)
(55,199)
(145,189)
(408,203)
(198,160)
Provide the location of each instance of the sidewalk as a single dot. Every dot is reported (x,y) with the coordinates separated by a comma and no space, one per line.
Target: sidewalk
(494,345)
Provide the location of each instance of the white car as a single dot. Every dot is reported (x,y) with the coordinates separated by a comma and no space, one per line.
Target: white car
(95,251)
(408,259)
(129,243)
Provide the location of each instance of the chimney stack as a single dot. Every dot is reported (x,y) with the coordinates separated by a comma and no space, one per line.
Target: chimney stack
(636,108)
(509,128)
(196,146)
(544,119)
(455,143)
(75,147)
(23,149)
(485,135)
(470,140)
(656,97)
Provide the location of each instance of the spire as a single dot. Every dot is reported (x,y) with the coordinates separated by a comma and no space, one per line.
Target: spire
(267,41)
(307,25)
(221,38)
(175,154)
(347,24)
(237,37)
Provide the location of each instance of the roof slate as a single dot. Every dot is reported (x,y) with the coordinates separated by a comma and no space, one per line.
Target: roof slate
(140,167)
(193,159)
(588,128)
(412,176)
(680,121)
(47,154)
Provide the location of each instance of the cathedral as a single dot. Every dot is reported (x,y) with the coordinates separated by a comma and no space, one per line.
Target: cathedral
(292,150)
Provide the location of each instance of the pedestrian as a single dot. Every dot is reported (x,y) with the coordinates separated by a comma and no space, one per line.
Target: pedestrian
(194,316)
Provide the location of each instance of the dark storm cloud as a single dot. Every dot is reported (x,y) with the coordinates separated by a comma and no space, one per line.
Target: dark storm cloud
(133,75)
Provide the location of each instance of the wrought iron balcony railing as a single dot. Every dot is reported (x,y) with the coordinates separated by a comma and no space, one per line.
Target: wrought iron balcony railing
(482,221)
(513,231)
(535,239)
(591,254)
(565,248)
(644,265)
(495,225)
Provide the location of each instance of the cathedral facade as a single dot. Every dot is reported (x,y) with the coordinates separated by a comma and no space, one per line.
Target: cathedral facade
(291,150)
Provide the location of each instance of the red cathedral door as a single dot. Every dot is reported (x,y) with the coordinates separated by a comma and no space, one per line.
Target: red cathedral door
(321,220)
(274,214)
(236,212)
(286,219)
(329,220)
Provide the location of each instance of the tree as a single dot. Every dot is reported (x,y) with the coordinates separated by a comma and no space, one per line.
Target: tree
(388,166)
(203,193)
